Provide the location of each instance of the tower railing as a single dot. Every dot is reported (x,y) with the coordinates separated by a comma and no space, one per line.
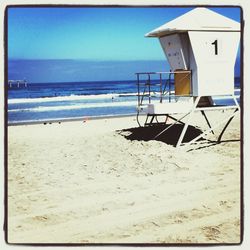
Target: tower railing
(159,86)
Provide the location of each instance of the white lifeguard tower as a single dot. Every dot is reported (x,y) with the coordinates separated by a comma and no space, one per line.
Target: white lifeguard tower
(201,48)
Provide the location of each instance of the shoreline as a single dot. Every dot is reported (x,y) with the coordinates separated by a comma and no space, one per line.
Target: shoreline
(62,120)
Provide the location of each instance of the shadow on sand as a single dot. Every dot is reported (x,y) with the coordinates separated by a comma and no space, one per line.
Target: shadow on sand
(170,136)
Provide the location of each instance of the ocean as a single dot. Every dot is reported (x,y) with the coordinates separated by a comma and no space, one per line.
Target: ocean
(44,102)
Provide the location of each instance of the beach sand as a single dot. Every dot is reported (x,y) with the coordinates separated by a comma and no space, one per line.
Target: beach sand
(105,181)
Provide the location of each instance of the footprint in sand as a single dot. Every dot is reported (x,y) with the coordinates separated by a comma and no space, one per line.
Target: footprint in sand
(211,232)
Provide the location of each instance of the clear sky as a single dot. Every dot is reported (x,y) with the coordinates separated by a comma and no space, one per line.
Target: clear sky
(40,39)
(90,33)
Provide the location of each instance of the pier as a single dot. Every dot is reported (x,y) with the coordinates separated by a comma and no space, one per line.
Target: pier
(17,83)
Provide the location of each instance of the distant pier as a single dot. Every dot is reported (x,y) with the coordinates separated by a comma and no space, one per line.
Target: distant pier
(17,84)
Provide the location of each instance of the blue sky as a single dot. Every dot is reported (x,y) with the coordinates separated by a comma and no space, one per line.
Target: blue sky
(90,33)
(94,34)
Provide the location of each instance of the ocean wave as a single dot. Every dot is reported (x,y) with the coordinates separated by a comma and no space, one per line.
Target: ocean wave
(68,98)
(94,105)
(74,107)
(83,97)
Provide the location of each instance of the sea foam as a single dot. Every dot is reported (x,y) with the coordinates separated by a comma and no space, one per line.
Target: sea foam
(74,107)
(68,98)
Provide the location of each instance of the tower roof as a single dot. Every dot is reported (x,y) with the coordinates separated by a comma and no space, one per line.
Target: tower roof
(198,19)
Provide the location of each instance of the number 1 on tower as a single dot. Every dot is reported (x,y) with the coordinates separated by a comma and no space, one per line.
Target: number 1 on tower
(215,43)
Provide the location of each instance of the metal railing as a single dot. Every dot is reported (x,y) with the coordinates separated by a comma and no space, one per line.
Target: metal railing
(148,87)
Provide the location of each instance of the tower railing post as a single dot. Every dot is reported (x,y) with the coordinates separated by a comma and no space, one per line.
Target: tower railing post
(149,88)
(160,88)
(138,88)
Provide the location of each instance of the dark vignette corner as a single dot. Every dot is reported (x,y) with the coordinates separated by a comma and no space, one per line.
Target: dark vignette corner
(5,225)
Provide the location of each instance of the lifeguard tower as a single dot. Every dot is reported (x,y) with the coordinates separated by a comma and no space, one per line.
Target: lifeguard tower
(201,48)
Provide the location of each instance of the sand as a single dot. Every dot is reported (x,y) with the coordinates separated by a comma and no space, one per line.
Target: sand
(105,181)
